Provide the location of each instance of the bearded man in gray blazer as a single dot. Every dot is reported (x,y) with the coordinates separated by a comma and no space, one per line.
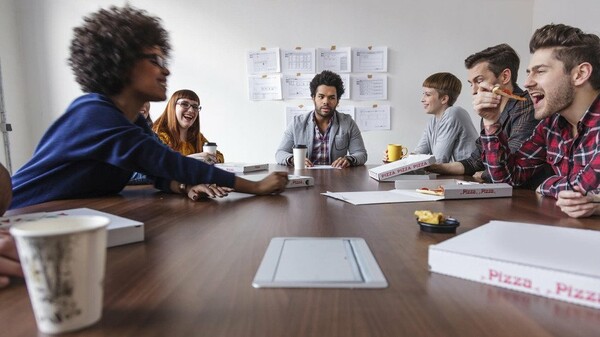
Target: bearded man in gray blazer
(332,138)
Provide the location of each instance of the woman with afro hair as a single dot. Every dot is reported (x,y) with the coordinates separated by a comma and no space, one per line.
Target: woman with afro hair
(95,146)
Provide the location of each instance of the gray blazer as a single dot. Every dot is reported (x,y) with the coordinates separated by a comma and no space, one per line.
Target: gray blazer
(344,139)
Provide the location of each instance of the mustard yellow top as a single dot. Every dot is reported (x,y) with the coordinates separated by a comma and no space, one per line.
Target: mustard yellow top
(187,148)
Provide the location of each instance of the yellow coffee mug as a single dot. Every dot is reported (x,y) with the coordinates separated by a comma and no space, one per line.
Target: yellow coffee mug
(396,152)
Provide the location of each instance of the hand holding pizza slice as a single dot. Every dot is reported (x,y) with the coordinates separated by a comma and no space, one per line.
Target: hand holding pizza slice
(506,93)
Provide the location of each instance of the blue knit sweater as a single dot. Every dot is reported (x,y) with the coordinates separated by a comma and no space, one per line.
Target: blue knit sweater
(92,150)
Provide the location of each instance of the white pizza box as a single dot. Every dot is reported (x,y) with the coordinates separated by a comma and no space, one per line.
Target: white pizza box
(242,167)
(120,230)
(293,180)
(410,163)
(459,189)
(549,261)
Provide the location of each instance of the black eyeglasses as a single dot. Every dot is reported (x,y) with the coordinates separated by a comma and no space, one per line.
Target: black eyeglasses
(185,105)
(157,60)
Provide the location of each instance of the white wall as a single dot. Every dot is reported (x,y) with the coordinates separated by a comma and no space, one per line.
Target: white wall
(582,14)
(210,38)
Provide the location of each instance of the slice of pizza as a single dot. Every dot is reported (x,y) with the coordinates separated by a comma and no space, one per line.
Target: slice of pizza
(439,191)
(506,93)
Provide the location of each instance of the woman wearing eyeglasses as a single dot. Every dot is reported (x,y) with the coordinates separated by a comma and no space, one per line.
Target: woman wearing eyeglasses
(93,149)
(179,127)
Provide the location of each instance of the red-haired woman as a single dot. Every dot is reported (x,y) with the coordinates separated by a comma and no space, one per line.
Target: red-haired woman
(179,127)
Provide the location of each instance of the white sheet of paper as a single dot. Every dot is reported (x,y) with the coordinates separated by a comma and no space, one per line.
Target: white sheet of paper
(373,118)
(369,60)
(291,111)
(381,197)
(263,61)
(264,88)
(297,86)
(369,87)
(347,86)
(323,167)
(337,60)
(294,61)
(346,109)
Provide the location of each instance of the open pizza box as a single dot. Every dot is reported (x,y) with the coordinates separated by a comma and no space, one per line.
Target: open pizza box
(458,189)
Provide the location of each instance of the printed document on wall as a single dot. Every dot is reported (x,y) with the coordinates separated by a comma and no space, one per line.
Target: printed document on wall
(346,109)
(346,80)
(369,60)
(291,111)
(265,60)
(334,59)
(298,61)
(369,87)
(297,86)
(373,118)
(264,88)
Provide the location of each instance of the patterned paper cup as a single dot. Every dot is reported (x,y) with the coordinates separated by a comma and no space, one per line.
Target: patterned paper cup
(63,260)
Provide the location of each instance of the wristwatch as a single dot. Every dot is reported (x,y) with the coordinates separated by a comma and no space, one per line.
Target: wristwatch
(182,188)
(351,159)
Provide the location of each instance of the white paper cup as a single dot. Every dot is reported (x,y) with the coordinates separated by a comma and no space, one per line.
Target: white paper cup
(210,148)
(299,156)
(63,260)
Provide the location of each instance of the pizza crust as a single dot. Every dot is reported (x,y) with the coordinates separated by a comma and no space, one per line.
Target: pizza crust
(437,191)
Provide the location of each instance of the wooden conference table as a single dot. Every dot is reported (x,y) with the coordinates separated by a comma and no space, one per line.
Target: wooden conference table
(192,276)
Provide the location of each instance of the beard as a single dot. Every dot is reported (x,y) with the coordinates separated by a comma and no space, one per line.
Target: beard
(557,99)
(324,114)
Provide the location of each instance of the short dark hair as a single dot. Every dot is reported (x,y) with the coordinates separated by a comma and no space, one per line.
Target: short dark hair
(330,79)
(107,45)
(572,47)
(498,58)
(444,84)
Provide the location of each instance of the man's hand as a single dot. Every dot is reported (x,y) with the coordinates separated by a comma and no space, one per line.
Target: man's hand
(478,176)
(9,259)
(341,162)
(207,191)
(576,205)
(487,104)
(308,163)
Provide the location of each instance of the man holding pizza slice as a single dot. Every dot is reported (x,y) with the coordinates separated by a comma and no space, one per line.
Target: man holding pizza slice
(564,83)
(498,66)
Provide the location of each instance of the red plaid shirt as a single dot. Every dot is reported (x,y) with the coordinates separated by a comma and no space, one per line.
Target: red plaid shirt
(575,160)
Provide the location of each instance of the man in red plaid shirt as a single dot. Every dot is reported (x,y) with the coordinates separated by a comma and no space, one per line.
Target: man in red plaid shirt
(564,83)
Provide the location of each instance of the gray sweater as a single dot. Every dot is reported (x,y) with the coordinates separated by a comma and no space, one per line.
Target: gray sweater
(451,138)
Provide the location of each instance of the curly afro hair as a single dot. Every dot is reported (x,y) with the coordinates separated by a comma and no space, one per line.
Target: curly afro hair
(105,48)
(328,78)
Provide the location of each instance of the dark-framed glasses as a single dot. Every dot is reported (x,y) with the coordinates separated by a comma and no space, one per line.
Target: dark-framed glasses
(157,60)
(185,106)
